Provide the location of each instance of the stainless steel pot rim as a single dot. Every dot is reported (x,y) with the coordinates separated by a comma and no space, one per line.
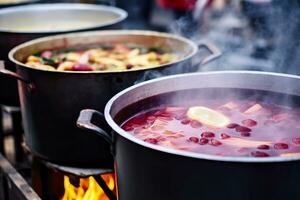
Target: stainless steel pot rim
(130,137)
(122,14)
(99,33)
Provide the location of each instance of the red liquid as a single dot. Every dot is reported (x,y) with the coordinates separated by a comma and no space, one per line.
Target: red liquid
(256,129)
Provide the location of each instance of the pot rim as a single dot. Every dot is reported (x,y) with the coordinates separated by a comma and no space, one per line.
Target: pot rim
(105,32)
(122,14)
(130,137)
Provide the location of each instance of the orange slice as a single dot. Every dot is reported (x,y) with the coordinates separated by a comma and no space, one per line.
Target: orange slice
(239,142)
(290,154)
(208,116)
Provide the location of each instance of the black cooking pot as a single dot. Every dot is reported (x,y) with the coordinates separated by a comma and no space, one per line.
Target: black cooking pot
(23,23)
(52,100)
(146,171)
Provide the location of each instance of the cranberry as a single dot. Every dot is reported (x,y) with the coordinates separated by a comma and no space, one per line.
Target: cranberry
(249,122)
(47,54)
(194,139)
(242,129)
(180,117)
(224,136)
(263,147)
(82,67)
(157,113)
(296,140)
(165,114)
(128,128)
(259,154)
(129,66)
(208,134)
(280,146)
(185,121)
(195,124)
(203,141)
(232,125)
(214,142)
(151,140)
(245,134)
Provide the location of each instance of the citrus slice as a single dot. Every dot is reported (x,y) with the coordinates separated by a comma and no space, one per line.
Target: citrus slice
(239,142)
(290,154)
(208,116)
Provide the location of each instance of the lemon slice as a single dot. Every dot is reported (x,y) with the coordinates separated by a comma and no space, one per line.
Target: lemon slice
(208,116)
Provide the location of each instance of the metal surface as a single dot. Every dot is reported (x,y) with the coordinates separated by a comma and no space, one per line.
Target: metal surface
(91,17)
(157,172)
(15,186)
(50,112)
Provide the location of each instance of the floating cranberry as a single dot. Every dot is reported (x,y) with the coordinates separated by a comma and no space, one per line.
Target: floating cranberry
(128,128)
(242,129)
(195,124)
(203,141)
(296,140)
(263,147)
(214,142)
(82,67)
(157,113)
(232,125)
(194,139)
(185,121)
(47,54)
(280,146)
(165,114)
(249,122)
(224,136)
(208,134)
(245,134)
(259,154)
(151,140)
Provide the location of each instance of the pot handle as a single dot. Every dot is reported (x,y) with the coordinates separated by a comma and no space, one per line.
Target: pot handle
(15,75)
(84,122)
(213,49)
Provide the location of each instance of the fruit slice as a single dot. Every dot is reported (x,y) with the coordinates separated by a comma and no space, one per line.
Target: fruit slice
(208,116)
(254,108)
(239,142)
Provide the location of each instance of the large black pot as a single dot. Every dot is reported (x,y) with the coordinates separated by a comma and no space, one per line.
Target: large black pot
(52,100)
(14,23)
(146,171)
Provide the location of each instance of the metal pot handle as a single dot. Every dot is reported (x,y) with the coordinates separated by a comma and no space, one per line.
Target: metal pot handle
(15,75)
(213,49)
(84,122)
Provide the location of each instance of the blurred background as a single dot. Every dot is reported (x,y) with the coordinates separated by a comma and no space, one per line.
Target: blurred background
(253,34)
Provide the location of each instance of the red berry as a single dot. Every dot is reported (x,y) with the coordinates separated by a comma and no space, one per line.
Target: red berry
(185,121)
(232,125)
(203,141)
(242,129)
(215,142)
(165,114)
(194,139)
(280,146)
(296,140)
(245,134)
(249,122)
(82,67)
(151,140)
(128,128)
(195,124)
(224,136)
(259,154)
(47,54)
(208,134)
(263,147)
(180,117)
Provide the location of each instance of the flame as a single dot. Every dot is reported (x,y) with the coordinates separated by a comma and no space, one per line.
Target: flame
(88,188)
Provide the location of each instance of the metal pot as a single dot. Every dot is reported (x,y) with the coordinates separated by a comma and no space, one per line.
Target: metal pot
(146,171)
(23,23)
(52,100)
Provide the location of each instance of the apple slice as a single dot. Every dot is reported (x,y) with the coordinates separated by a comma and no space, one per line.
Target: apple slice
(239,142)
(229,105)
(253,109)
(208,116)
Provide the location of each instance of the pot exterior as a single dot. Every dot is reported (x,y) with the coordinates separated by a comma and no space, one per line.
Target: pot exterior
(148,174)
(51,110)
(9,96)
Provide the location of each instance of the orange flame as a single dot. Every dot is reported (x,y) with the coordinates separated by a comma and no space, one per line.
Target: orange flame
(88,188)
